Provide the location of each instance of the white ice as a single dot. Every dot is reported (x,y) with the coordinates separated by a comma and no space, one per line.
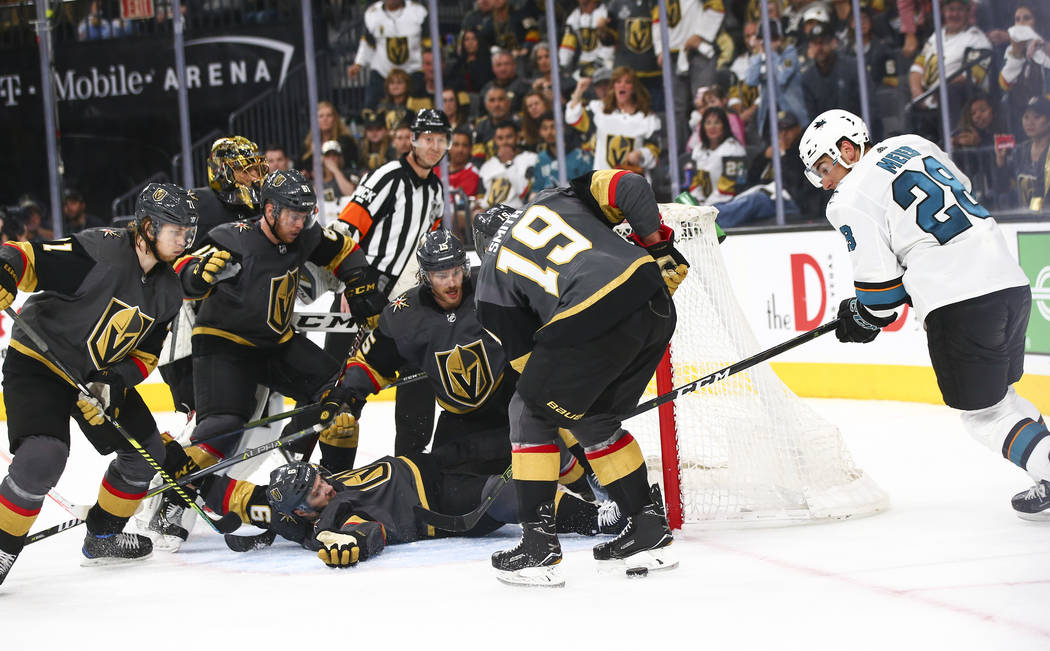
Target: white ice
(949,566)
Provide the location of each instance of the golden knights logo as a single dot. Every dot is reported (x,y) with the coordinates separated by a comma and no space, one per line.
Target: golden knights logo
(674,12)
(588,39)
(616,149)
(397,49)
(282,301)
(499,191)
(465,373)
(116,333)
(159,194)
(639,34)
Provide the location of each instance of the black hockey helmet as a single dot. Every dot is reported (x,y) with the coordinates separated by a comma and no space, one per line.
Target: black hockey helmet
(167,203)
(488,224)
(289,189)
(431,121)
(289,486)
(440,250)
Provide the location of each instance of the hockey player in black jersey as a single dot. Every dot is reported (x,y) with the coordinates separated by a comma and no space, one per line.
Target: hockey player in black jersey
(585,317)
(351,516)
(245,277)
(236,169)
(434,327)
(105,298)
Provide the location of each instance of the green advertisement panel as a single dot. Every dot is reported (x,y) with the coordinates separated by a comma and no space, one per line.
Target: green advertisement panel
(1033,252)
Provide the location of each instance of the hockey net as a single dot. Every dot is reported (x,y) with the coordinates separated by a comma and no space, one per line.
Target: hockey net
(748,450)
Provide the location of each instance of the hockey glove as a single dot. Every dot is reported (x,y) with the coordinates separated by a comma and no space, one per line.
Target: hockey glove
(107,394)
(363,296)
(673,265)
(339,549)
(209,269)
(857,324)
(8,285)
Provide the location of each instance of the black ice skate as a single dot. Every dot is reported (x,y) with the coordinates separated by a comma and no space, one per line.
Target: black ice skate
(642,546)
(1034,503)
(534,561)
(610,520)
(6,561)
(115,548)
(166,523)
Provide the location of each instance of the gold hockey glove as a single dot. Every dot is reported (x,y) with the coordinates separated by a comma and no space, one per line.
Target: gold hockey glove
(673,265)
(91,410)
(8,285)
(210,269)
(338,549)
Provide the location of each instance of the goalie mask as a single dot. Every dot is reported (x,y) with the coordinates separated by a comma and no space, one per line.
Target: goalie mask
(289,487)
(822,138)
(234,157)
(165,203)
(439,251)
(488,224)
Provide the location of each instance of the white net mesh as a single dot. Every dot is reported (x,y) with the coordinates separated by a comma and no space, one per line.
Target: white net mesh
(750,451)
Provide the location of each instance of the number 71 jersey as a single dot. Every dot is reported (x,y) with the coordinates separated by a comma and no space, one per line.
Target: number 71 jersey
(912,228)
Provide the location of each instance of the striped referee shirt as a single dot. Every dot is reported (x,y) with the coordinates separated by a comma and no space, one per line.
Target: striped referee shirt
(389,213)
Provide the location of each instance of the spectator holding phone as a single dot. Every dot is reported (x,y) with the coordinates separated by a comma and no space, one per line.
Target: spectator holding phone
(1027,164)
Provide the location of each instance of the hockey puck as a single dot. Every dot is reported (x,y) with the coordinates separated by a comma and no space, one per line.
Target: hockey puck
(637,572)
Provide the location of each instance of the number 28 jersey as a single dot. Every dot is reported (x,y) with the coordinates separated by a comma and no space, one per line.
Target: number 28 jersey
(913,229)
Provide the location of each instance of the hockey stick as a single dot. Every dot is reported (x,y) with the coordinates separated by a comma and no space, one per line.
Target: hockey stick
(466,522)
(258,423)
(324,322)
(249,543)
(225,524)
(229,461)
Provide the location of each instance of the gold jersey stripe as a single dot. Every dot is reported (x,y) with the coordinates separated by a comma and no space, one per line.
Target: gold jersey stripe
(601,293)
(420,490)
(29,279)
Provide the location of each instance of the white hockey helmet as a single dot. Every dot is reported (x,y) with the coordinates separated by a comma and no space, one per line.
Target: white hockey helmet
(822,137)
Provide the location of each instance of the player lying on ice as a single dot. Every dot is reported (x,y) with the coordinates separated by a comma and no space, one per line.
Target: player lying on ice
(351,516)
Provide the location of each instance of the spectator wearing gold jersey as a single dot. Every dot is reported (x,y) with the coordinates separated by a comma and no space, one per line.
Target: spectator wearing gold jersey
(625,129)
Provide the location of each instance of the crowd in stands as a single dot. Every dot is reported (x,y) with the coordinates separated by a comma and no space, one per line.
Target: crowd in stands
(496,71)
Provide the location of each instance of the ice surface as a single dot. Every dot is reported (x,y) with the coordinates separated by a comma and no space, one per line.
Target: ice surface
(947,567)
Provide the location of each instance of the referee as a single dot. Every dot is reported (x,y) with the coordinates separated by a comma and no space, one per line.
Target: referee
(388,214)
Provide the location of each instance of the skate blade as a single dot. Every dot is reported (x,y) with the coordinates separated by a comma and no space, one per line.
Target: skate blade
(164,543)
(109,561)
(1041,516)
(532,577)
(640,564)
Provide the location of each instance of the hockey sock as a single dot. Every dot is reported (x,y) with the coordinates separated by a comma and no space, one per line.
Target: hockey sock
(535,469)
(575,449)
(573,515)
(118,497)
(631,492)
(1028,446)
(18,511)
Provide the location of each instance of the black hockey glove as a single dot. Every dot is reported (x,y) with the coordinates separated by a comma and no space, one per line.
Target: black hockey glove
(673,265)
(363,295)
(857,324)
(8,284)
(107,394)
(209,269)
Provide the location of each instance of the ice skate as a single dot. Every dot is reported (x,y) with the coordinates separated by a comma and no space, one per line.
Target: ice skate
(165,526)
(6,561)
(610,521)
(642,546)
(534,561)
(115,549)
(1034,503)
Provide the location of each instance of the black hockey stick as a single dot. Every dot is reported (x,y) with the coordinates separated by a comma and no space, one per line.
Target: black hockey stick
(50,531)
(229,461)
(225,524)
(465,522)
(249,543)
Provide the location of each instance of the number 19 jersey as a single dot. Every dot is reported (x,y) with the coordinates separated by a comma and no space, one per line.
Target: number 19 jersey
(913,229)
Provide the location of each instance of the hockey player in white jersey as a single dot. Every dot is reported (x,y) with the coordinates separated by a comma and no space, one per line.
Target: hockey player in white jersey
(916,235)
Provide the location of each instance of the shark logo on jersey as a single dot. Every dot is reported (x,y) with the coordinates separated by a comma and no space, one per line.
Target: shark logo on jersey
(117,333)
(639,34)
(616,149)
(282,301)
(397,50)
(465,373)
